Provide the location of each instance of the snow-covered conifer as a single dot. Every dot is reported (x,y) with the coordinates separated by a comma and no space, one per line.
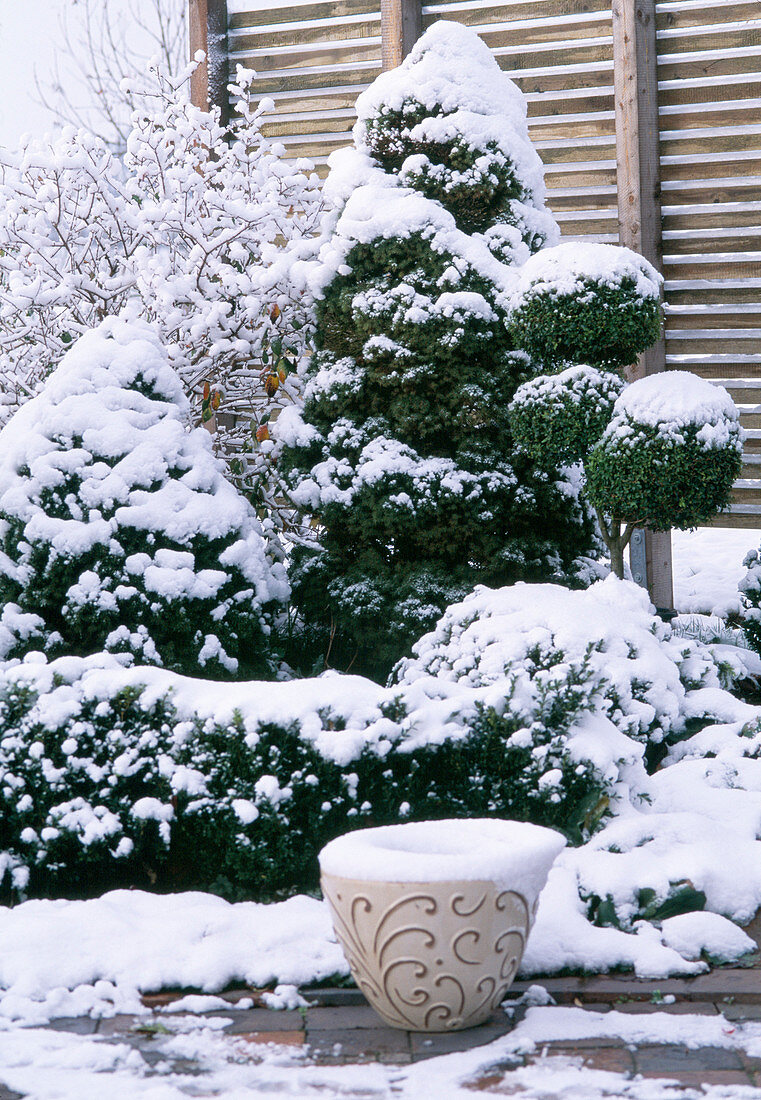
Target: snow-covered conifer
(403,452)
(118,529)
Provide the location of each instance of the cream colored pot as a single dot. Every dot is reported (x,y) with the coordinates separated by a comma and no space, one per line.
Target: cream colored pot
(433,917)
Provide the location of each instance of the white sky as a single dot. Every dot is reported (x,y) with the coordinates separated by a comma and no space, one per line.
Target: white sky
(27,37)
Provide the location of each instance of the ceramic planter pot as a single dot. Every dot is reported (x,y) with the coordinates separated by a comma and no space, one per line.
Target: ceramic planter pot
(433,917)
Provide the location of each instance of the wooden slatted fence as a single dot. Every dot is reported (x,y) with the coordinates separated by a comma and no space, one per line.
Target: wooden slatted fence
(313,59)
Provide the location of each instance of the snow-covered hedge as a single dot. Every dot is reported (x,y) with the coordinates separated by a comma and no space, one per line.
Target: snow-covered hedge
(558,417)
(597,299)
(529,702)
(118,787)
(118,528)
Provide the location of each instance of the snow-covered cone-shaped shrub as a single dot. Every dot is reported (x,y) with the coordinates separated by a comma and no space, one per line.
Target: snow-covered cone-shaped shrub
(667,458)
(118,530)
(592,302)
(403,452)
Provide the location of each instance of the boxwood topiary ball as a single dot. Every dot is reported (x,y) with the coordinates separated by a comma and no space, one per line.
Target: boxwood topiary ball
(670,453)
(557,418)
(592,303)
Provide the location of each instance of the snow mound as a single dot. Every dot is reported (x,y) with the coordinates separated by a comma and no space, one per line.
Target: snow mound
(649,674)
(450,68)
(95,957)
(694,933)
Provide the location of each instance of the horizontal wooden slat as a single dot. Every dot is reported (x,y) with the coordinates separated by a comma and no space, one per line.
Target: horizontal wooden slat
(526,33)
(739,520)
(710,216)
(705,91)
(475,14)
(714,316)
(680,15)
(323,31)
(573,77)
(308,81)
(314,56)
(746,492)
(725,37)
(282,129)
(699,64)
(702,241)
(275,15)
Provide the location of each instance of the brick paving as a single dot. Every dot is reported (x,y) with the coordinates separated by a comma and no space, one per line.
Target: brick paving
(339,1027)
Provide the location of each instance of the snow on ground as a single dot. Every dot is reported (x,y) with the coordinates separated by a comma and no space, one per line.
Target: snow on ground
(48,1065)
(79,958)
(708,565)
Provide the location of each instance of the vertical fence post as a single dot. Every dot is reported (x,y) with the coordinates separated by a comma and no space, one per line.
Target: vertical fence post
(207,31)
(207,28)
(401,26)
(635,81)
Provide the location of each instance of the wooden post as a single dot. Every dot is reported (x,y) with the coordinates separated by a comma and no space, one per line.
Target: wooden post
(401,26)
(635,81)
(207,26)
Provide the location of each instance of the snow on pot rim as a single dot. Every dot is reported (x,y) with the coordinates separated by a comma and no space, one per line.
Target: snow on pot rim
(511,854)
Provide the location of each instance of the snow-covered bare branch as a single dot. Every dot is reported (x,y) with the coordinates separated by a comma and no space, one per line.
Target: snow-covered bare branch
(194,229)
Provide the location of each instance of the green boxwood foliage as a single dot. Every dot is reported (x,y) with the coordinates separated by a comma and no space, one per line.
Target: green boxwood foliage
(667,466)
(558,417)
(119,792)
(589,303)
(750,587)
(118,529)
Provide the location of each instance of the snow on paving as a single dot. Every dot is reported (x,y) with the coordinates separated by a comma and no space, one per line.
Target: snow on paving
(47,1065)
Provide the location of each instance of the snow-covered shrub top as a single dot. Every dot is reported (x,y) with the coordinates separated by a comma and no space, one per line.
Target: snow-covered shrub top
(672,400)
(384,210)
(591,303)
(574,385)
(448,69)
(512,854)
(557,417)
(670,454)
(114,515)
(572,267)
(433,119)
(641,675)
